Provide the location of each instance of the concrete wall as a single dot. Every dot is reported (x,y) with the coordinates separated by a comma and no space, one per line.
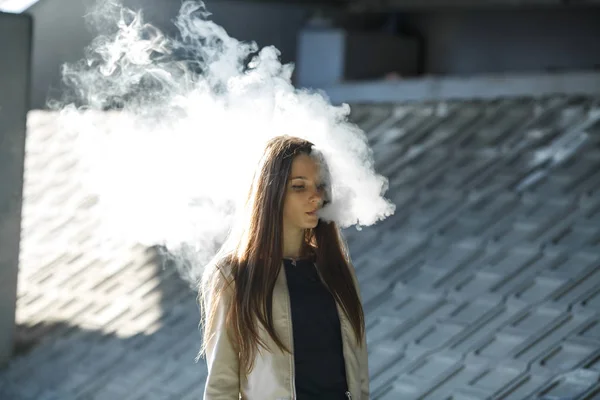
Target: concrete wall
(455,42)
(334,56)
(462,42)
(505,40)
(61,33)
(15,40)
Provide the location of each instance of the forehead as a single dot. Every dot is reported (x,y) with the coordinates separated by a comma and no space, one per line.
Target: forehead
(305,165)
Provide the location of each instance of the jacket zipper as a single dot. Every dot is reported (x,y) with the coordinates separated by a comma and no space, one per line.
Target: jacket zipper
(349,395)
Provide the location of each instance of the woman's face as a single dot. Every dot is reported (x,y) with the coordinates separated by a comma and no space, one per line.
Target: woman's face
(304,194)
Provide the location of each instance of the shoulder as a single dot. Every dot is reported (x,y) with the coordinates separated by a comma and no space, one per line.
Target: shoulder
(218,275)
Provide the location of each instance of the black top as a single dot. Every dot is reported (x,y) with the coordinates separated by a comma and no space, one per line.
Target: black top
(318,357)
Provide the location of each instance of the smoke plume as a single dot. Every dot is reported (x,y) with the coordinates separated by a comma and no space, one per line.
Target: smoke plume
(170,129)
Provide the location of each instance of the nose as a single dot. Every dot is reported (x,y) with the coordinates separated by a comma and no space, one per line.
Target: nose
(316,198)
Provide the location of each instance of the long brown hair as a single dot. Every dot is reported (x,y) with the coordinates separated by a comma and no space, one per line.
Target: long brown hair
(256,258)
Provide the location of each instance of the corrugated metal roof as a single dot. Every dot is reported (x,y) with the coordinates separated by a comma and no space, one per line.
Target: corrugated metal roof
(481,285)
(484,284)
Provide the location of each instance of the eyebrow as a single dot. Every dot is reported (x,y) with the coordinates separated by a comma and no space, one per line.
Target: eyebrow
(299,177)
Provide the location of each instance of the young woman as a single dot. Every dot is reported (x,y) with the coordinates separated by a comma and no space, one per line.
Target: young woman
(281,310)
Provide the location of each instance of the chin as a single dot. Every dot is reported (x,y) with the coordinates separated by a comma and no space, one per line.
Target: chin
(311,225)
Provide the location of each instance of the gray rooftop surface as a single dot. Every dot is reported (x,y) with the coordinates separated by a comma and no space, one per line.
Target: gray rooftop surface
(485,284)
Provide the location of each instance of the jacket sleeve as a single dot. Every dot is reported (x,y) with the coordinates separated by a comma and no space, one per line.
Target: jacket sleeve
(222,382)
(364,354)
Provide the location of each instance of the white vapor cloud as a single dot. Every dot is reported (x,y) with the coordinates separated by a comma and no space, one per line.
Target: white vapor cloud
(190,117)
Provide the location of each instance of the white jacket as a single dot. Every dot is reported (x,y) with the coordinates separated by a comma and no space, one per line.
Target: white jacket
(272,377)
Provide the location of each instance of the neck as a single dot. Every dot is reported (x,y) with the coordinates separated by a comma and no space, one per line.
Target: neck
(293,240)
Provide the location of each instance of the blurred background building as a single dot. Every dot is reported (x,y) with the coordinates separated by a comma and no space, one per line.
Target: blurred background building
(485,284)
